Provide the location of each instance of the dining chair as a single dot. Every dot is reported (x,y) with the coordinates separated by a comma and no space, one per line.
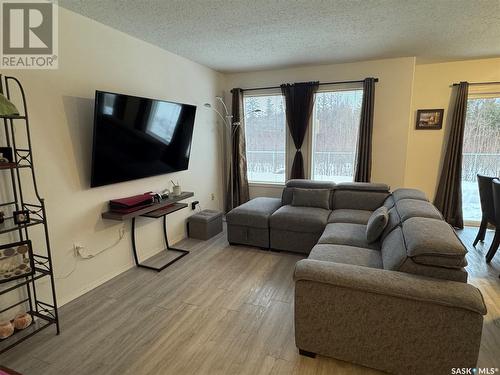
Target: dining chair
(495,187)
(487,209)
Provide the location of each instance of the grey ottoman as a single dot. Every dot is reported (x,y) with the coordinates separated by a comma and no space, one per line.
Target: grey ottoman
(248,224)
(205,224)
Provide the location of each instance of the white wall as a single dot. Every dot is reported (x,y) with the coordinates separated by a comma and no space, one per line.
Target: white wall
(432,89)
(392,107)
(93,56)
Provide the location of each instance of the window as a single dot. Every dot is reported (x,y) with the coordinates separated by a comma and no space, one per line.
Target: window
(481,150)
(335,129)
(265,132)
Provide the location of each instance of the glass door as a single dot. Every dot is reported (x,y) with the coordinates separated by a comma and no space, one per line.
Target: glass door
(481,151)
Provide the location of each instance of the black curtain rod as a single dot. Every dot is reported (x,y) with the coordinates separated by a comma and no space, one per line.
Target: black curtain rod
(322,83)
(479,83)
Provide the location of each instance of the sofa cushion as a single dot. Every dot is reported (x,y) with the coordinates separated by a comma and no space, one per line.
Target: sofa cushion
(300,219)
(365,186)
(254,213)
(395,258)
(310,184)
(393,222)
(287,195)
(408,208)
(349,216)
(445,273)
(376,224)
(311,198)
(433,242)
(347,234)
(441,261)
(393,250)
(347,255)
(405,193)
(298,242)
(358,199)
(389,202)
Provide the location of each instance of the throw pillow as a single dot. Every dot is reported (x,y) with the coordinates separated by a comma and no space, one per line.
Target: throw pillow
(376,224)
(311,198)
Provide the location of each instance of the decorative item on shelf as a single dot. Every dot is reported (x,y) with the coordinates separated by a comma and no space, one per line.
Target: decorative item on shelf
(6,155)
(22,321)
(7,371)
(130,204)
(431,119)
(161,196)
(6,160)
(165,194)
(21,217)
(16,261)
(176,189)
(3,159)
(6,330)
(7,108)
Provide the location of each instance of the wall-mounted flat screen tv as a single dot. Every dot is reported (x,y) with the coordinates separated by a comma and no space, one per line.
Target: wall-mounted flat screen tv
(139,137)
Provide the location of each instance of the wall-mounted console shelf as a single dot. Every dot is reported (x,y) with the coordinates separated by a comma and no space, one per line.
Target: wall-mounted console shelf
(155,211)
(110,215)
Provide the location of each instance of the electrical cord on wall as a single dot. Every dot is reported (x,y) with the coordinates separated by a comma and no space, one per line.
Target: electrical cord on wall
(78,252)
(82,254)
(73,268)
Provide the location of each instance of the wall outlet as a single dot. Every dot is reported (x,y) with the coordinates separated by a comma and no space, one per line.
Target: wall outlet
(77,248)
(212,196)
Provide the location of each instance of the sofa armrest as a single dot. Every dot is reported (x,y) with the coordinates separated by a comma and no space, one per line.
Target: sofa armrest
(392,283)
(388,320)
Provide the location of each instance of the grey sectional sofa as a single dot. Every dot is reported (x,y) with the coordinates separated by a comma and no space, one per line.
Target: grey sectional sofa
(400,303)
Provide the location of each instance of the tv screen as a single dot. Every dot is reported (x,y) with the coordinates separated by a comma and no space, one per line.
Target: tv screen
(139,137)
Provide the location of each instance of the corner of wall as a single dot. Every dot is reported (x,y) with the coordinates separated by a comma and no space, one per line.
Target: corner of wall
(410,122)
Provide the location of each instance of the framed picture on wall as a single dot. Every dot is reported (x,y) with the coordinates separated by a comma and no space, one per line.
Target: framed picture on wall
(429,119)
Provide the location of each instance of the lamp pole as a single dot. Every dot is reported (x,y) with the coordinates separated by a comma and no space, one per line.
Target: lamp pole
(230,128)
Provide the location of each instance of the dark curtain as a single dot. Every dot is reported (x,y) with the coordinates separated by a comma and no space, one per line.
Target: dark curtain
(449,191)
(239,160)
(364,148)
(299,102)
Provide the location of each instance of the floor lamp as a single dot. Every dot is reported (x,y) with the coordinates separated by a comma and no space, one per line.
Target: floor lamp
(229,131)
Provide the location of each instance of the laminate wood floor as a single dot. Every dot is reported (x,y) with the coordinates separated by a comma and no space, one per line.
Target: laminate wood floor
(220,310)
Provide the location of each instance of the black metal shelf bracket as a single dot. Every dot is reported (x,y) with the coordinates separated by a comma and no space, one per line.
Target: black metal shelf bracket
(182,253)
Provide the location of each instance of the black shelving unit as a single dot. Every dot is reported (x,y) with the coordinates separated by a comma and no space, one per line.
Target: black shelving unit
(26,290)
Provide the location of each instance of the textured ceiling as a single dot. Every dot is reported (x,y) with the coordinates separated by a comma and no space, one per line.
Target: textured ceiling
(235,35)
